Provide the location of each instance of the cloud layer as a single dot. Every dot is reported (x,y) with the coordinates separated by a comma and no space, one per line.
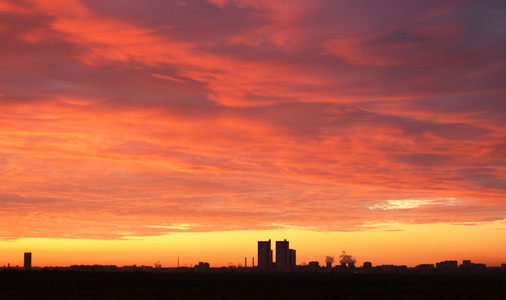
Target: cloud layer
(148,117)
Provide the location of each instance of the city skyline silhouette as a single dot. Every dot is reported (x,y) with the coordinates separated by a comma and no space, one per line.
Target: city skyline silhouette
(285,261)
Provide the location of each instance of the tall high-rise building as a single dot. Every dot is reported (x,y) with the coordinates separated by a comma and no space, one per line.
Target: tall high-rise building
(264,255)
(27,261)
(282,254)
(293,261)
(285,257)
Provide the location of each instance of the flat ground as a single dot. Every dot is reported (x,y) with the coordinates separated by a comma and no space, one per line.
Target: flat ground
(143,285)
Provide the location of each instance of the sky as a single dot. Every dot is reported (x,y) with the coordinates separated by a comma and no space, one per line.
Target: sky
(138,131)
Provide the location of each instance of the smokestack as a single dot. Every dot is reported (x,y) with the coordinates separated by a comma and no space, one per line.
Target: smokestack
(245,262)
(252,261)
(347,259)
(329,260)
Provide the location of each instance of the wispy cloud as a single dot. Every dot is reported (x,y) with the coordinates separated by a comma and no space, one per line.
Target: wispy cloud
(412,203)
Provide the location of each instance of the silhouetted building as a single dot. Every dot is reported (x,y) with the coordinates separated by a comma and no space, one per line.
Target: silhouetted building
(468,267)
(202,267)
(293,257)
(285,257)
(314,265)
(27,261)
(393,269)
(425,269)
(264,255)
(367,266)
(447,266)
(282,254)
(102,268)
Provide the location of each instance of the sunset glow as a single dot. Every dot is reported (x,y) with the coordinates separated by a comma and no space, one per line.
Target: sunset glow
(140,131)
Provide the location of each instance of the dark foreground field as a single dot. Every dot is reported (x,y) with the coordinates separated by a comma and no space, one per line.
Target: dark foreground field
(140,285)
